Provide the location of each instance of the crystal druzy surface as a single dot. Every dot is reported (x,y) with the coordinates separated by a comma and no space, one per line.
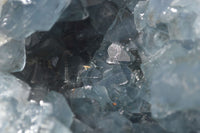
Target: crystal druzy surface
(99,66)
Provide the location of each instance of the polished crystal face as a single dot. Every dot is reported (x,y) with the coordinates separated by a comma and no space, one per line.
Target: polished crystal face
(99,66)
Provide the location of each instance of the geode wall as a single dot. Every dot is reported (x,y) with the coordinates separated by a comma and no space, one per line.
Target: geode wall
(99,66)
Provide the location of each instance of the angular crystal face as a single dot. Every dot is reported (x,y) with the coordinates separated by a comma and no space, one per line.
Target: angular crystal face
(174,80)
(181,121)
(169,46)
(114,122)
(13,56)
(14,88)
(61,109)
(116,54)
(76,11)
(80,127)
(180,18)
(32,117)
(102,15)
(21,18)
(23,116)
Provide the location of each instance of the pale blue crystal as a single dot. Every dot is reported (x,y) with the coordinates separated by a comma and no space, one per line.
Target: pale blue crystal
(98,93)
(12,87)
(17,114)
(117,54)
(179,16)
(102,15)
(148,128)
(30,117)
(8,115)
(13,56)
(168,45)
(122,28)
(182,122)
(61,109)
(19,19)
(139,12)
(76,11)
(80,127)
(114,123)
(174,81)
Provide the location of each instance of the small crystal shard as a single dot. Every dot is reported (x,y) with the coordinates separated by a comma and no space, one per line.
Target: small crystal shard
(117,54)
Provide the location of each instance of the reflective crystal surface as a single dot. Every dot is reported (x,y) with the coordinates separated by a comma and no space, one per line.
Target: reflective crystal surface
(12,87)
(21,18)
(76,11)
(13,56)
(171,54)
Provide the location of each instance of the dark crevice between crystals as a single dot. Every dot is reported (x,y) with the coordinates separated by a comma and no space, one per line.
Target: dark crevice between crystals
(55,58)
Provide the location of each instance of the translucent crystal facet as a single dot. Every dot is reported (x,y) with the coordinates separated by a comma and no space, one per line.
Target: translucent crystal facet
(19,19)
(13,56)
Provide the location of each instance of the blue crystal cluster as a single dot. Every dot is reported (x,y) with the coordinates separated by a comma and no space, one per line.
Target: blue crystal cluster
(19,19)
(171,53)
(99,66)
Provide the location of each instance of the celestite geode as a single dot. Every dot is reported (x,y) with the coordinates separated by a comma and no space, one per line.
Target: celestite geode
(99,66)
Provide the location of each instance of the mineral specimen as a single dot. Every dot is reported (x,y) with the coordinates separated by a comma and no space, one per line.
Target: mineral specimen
(170,54)
(21,18)
(13,56)
(99,66)
(18,114)
(76,11)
